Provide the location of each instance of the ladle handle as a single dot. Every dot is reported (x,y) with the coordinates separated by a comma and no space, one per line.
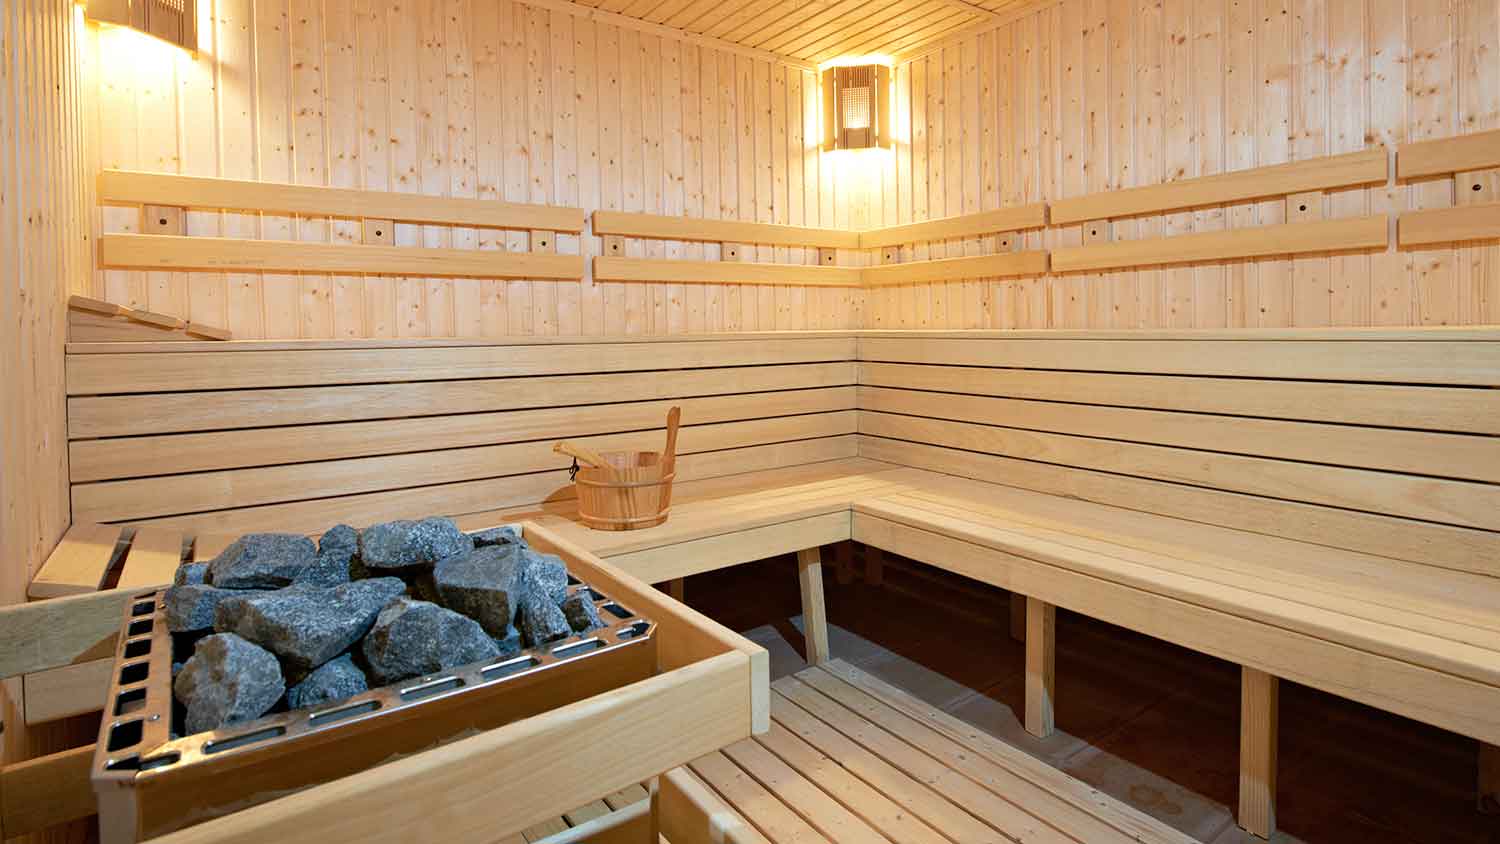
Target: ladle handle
(669,454)
(584,453)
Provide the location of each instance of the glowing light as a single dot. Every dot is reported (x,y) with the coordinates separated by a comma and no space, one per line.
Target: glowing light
(855,61)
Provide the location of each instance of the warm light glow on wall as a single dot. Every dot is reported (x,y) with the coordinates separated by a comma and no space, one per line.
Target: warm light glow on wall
(857,105)
(855,61)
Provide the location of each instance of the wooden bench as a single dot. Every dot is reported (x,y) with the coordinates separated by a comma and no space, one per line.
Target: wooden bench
(851,760)
(1318,506)
(1314,505)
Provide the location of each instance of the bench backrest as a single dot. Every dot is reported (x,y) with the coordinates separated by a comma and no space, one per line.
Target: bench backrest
(1377,441)
(229,437)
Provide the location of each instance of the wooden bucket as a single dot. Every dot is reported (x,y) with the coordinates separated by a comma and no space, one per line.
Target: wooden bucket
(638,496)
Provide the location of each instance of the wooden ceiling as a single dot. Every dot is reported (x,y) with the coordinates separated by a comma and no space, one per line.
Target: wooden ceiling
(813,31)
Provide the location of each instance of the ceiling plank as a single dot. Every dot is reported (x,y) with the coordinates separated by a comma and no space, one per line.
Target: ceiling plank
(616,19)
(1009,15)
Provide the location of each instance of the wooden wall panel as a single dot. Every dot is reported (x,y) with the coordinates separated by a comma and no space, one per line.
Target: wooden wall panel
(44,243)
(1093,95)
(472,99)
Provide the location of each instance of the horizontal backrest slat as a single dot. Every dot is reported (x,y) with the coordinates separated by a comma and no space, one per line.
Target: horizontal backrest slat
(1438,361)
(137,456)
(301,438)
(1469,409)
(238,369)
(160,413)
(165,495)
(1416,452)
(1387,446)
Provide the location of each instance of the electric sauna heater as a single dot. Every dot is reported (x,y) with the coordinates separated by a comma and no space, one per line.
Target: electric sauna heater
(155,770)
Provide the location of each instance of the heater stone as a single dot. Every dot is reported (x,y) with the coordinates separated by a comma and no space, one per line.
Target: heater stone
(510,643)
(541,621)
(190,607)
(407,544)
(581,613)
(544,575)
(307,626)
(227,680)
(261,561)
(336,549)
(190,574)
(497,536)
(412,638)
(333,681)
(484,585)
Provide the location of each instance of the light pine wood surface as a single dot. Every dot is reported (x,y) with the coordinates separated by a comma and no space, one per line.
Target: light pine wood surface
(1078,99)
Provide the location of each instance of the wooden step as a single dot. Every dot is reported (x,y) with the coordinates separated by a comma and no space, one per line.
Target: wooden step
(852,760)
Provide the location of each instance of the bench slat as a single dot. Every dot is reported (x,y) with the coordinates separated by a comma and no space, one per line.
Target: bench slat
(171,494)
(522,492)
(1145,572)
(1437,361)
(144,372)
(1452,502)
(103,459)
(79,563)
(1416,691)
(1470,410)
(173,412)
(1417,452)
(1447,546)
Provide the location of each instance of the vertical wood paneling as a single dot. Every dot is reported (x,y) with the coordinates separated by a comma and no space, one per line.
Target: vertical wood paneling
(45,206)
(469,99)
(1093,95)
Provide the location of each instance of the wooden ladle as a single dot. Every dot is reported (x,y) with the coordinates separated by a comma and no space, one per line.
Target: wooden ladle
(587,455)
(669,454)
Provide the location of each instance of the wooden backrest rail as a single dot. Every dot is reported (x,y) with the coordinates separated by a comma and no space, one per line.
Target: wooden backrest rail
(170,189)
(658,226)
(1365,167)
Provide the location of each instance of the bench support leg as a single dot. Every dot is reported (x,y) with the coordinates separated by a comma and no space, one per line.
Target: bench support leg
(1258,731)
(1489,779)
(675,589)
(1018,616)
(1041,622)
(814,616)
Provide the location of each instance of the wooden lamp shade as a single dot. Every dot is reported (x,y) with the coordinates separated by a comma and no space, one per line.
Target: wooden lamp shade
(856,107)
(173,21)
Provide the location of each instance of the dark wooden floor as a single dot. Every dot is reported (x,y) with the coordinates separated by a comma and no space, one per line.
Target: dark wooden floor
(1348,773)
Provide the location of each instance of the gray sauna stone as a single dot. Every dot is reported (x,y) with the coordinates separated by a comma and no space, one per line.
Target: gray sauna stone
(544,575)
(412,638)
(541,621)
(335,680)
(506,535)
(336,548)
(226,681)
(581,613)
(190,607)
(510,643)
(189,574)
(408,544)
(261,561)
(484,584)
(307,626)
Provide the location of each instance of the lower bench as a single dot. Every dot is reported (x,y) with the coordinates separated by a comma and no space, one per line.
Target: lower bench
(851,760)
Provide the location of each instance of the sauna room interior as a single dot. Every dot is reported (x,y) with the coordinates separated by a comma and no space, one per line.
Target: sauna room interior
(1088,415)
